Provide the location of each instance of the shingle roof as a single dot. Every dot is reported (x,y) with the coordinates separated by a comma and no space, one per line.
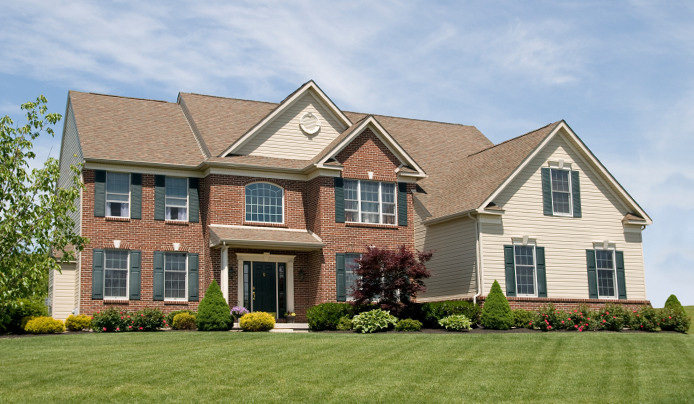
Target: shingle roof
(265,237)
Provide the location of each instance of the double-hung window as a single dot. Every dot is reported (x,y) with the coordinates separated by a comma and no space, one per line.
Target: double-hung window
(116,274)
(526,274)
(561,191)
(117,194)
(606,273)
(369,202)
(351,276)
(175,272)
(176,198)
(264,203)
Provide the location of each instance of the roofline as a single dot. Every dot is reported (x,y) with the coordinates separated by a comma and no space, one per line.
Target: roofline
(193,127)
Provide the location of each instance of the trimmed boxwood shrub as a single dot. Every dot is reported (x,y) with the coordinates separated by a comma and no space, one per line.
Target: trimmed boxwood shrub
(15,318)
(523,318)
(183,321)
(432,312)
(408,324)
(257,321)
(496,312)
(456,322)
(373,321)
(44,325)
(78,323)
(170,316)
(326,316)
(213,311)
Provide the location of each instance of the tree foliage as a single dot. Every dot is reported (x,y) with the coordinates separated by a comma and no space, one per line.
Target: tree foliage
(34,211)
(391,277)
(496,313)
(213,311)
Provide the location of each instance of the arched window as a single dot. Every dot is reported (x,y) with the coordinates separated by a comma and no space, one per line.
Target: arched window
(264,203)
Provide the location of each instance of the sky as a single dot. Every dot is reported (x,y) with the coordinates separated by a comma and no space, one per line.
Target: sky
(619,72)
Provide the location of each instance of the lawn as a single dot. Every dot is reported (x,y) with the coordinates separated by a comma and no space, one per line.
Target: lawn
(330,367)
(690,312)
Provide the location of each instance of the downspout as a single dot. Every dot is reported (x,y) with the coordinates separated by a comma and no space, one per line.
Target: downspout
(478,246)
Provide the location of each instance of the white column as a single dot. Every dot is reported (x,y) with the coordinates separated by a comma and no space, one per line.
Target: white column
(239,277)
(225,273)
(290,285)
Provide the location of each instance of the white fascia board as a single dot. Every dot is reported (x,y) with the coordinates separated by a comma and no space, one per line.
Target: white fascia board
(309,86)
(138,167)
(387,140)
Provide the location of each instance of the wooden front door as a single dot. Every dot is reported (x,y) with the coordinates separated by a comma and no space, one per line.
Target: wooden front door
(264,287)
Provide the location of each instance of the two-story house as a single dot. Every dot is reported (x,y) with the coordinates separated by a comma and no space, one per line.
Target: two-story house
(276,201)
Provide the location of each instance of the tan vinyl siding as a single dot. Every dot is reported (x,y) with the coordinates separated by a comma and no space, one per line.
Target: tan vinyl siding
(565,238)
(70,154)
(283,138)
(453,262)
(63,291)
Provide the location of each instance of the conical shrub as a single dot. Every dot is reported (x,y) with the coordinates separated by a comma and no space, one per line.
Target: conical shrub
(673,303)
(496,313)
(213,311)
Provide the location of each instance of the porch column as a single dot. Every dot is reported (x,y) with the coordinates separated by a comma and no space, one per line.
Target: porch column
(290,285)
(239,279)
(225,273)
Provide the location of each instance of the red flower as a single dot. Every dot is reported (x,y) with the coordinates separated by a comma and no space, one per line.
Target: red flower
(614,316)
(575,326)
(549,327)
(607,312)
(140,327)
(588,318)
(104,328)
(562,321)
(142,315)
(642,326)
(603,321)
(121,317)
(117,328)
(569,318)
(531,323)
(121,312)
(130,326)
(670,317)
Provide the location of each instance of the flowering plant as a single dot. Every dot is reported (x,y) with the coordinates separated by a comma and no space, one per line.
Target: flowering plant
(238,311)
(290,314)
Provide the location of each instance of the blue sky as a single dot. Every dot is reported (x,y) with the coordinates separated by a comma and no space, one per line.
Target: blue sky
(619,72)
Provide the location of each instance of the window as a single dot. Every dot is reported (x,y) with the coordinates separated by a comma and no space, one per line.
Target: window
(116,274)
(604,264)
(176,198)
(264,203)
(369,202)
(561,191)
(117,194)
(351,276)
(175,276)
(524,258)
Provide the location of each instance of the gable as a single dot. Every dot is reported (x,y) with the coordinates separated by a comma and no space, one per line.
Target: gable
(284,137)
(366,154)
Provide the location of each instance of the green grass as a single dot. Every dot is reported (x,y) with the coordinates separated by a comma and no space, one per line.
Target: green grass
(328,367)
(690,312)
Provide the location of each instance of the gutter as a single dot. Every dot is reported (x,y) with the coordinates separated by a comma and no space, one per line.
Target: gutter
(478,245)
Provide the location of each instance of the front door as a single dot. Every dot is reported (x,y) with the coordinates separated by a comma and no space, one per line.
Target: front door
(264,287)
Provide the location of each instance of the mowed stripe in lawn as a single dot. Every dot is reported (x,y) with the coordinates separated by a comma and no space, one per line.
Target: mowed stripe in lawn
(330,367)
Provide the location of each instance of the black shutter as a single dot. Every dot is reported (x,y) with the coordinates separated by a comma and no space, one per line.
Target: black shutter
(158,280)
(99,193)
(340,277)
(621,279)
(135,258)
(402,204)
(541,272)
(193,277)
(193,200)
(159,197)
(576,193)
(97,274)
(546,192)
(339,200)
(592,275)
(510,270)
(136,196)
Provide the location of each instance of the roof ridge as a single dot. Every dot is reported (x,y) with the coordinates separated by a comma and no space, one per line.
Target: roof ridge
(411,119)
(122,96)
(231,98)
(513,139)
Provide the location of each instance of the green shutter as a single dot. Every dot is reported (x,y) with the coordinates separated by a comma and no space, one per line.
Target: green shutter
(99,193)
(159,197)
(546,192)
(541,272)
(193,201)
(339,200)
(340,276)
(158,276)
(136,196)
(621,279)
(510,270)
(402,204)
(97,274)
(576,193)
(592,275)
(135,275)
(193,277)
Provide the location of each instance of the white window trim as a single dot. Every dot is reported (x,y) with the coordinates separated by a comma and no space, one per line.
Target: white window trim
(614,271)
(127,277)
(380,203)
(187,200)
(245,204)
(515,266)
(571,195)
(106,200)
(185,260)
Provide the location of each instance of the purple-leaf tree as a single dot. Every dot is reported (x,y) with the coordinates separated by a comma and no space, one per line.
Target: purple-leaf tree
(390,277)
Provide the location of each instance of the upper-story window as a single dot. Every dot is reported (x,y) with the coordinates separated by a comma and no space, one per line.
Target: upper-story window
(264,203)
(561,191)
(176,198)
(369,202)
(117,194)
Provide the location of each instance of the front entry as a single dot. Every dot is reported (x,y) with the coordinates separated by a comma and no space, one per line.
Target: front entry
(264,293)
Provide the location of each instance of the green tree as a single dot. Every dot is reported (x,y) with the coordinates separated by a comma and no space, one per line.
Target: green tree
(213,311)
(34,211)
(673,303)
(496,312)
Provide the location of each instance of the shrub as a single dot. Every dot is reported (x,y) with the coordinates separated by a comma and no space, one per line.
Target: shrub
(432,312)
(523,318)
(344,324)
(673,303)
(496,313)
(170,316)
(548,318)
(257,321)
(213,311)
(237,312)
(674,320)
(183,321)
(373,321)
(612,318)
(326,316)
(11,321)
(580,319)
(44,325)
(456,322)
(408,324)
(644,319)
(78,323)
(112,320)
(147,320)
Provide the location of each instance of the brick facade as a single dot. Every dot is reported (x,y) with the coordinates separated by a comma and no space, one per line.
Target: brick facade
(534,303)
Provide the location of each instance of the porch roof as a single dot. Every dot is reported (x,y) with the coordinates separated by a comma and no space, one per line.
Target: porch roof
(263,237)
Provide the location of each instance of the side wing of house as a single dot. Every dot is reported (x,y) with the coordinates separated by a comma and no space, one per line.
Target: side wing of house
(566,229)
